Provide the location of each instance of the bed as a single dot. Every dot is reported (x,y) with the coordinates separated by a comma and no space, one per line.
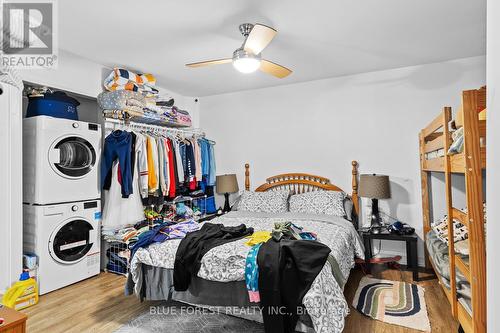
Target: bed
(439,253)
(220,283)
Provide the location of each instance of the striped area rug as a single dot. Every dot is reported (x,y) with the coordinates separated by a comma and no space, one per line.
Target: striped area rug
(393,302)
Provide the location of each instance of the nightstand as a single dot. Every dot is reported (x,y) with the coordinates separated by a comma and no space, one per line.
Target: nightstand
(411,247)
(15,321)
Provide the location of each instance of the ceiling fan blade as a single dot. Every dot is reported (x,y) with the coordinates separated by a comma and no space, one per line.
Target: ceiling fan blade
(270,67)
(260,36)
(209,63)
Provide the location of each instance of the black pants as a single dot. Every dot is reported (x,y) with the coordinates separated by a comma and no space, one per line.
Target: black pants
(196,244)
(287,269)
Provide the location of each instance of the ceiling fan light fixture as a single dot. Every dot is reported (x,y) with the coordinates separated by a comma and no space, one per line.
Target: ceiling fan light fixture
(248,58)
(246,62)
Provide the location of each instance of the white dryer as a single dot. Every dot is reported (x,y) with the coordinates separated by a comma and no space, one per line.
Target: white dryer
(61,160)
(66,240)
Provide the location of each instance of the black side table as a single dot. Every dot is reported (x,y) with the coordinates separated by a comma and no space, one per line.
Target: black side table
(411,247)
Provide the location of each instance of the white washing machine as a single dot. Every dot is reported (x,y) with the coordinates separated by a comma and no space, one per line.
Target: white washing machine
(66,240)
(61,160)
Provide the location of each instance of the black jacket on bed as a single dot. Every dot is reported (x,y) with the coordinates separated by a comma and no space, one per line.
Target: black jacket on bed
(194,246)
(287,269)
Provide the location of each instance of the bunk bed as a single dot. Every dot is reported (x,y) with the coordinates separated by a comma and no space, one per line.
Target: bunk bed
(464,271)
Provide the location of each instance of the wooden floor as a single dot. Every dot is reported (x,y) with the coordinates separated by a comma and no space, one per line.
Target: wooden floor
(98,305)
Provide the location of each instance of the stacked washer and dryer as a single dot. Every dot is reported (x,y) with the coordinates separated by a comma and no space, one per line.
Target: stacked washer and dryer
(62,208)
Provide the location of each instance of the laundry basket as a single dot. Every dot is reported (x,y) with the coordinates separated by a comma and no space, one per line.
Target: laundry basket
(117,257)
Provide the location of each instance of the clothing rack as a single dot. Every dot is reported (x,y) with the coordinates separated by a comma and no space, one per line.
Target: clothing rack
(116,124)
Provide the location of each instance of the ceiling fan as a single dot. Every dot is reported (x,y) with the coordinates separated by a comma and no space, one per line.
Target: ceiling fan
(247,58)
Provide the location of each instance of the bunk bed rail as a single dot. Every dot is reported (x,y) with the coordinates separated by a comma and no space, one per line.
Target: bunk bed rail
(434,147)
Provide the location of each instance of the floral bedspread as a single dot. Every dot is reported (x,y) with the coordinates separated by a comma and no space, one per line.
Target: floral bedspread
(325,301)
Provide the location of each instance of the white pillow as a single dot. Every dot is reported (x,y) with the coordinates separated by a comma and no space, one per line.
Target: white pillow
(319,202)
(265,202)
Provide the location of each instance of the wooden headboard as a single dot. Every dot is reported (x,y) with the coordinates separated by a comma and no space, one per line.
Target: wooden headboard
(304,182)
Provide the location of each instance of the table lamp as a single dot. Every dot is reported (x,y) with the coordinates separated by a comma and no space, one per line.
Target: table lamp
(226,184)
(374,187)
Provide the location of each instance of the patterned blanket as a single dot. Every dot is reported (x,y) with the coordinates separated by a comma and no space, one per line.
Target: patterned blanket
(325,302)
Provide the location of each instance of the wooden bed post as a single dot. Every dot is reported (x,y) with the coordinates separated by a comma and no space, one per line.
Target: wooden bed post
(355,197)
(449,205)
(247,177)
(424,176)
(475,218)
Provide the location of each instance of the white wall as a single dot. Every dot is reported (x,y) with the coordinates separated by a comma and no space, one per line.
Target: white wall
(319,127)
(493,164)
(10,187)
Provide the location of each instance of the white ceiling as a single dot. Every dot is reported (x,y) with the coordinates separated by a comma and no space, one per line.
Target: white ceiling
(316,39)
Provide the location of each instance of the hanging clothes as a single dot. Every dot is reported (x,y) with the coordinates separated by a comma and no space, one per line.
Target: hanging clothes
(142,164)
(178,185)
(119,211)
(166,167)
(205,157)
(152,167)
(178,158)
(197,159)
(152,175)
(161,166)
(211,172)
(172,166)
(190,163)
(117,146)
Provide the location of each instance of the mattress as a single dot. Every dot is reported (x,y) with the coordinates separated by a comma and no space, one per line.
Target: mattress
(438,251)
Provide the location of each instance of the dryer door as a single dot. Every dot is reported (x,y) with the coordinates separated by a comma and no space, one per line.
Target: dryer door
(72,157)
(71,240)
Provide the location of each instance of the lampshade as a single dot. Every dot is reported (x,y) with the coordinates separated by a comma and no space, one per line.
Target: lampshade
(374,186)
(226,184)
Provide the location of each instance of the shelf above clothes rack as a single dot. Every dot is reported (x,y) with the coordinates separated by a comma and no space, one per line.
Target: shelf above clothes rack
(115,124)
(150,118)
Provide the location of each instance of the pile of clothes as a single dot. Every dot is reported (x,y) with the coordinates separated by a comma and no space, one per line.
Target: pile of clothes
(120,242)
(130,95)
(172,212)
(128,234)
(124,242)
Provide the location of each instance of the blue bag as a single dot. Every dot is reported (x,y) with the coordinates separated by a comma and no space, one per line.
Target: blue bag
(56,104)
